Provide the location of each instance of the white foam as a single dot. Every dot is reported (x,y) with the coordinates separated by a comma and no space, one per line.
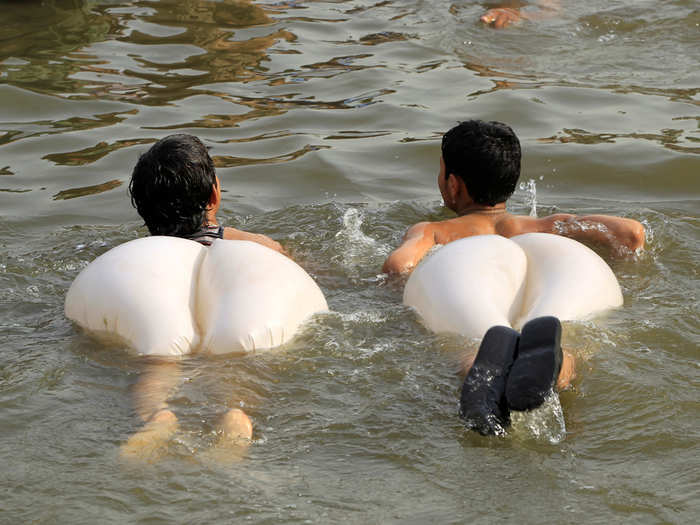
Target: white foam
(357,250)
(545,423)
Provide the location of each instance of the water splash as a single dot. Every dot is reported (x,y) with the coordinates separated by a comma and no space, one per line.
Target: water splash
(545,423)
(356,250)
(364,317)
(649,231)
(530,187)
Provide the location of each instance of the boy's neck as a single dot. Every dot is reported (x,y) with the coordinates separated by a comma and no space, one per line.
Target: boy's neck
(210,218)
(481,209)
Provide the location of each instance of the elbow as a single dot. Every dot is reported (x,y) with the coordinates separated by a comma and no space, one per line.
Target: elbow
(391,267)
(395,265)
(637,236)
(630,236)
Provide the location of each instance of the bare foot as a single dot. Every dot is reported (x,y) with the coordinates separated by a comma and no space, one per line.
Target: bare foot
(149,443)
(501,17)
(567,373)
(235,433)
(236,425)
(465,360)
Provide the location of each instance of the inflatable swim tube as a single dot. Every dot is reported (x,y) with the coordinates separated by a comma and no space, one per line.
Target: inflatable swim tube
(170,296)
(478,282)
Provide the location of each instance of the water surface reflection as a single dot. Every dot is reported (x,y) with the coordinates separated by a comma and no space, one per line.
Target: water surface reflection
(324,119)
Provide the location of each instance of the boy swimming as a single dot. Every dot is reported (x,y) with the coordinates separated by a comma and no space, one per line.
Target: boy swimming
(175,189)
(479,171)
(501,17)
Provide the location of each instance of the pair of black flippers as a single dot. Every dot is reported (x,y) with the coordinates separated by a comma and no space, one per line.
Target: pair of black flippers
(512,371)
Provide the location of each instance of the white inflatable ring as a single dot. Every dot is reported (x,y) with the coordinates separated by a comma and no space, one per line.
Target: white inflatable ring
(472,284)
(171,296)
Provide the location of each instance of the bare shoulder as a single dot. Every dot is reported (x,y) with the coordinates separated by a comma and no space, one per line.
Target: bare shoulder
(513,225)
(416,242)
(232,234)
(239,235)
(420,229)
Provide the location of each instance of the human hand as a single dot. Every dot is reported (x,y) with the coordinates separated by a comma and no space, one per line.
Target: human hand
(501,17)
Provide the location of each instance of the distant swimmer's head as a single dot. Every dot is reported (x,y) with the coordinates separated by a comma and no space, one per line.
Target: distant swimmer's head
(173,185)
(486,156)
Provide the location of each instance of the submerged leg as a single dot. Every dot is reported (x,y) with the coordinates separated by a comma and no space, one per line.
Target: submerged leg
(150,442)
(482,402)
(150,393)
(537,365)
(157,380)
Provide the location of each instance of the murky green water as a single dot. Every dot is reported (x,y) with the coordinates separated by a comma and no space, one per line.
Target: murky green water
(324,119)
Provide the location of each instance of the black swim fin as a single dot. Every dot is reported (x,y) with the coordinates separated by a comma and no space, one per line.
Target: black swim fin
(482,403)
(537,364)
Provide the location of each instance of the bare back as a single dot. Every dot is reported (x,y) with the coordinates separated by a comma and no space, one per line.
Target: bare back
(504,224)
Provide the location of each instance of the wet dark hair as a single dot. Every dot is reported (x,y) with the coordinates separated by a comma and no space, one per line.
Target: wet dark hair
(486,156)
(171,185)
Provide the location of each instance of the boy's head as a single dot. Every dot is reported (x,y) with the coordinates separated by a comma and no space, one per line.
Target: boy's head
(486,156)
(172,184)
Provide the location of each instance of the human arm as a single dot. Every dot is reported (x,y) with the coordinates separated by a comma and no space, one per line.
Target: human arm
(501,17)
(504,16)
(418,240)
(620,233)
(233,234)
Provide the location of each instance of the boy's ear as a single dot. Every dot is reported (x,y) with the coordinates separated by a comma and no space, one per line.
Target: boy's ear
(461,190)
(455,186)
(215,195)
